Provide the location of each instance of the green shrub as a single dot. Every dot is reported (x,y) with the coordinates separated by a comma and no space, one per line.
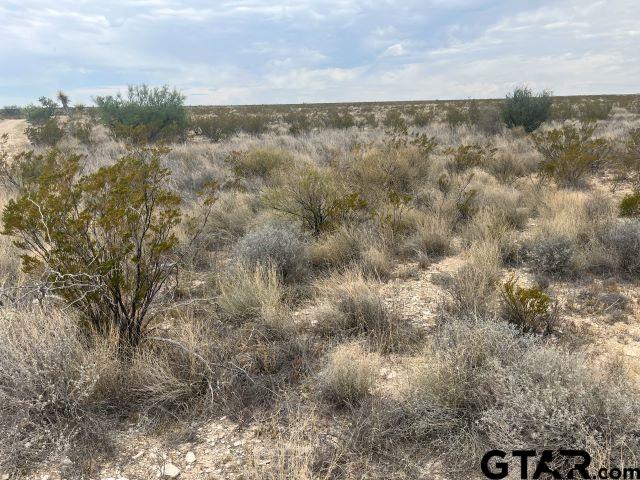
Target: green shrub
(299,123)
(48,133)
(529,308)
(225,125)
(630,205)
(260,162)
(336,119)
(551,255)
(570,152)
(38,114)
(454,116)
(629,161)
(593,110)
(422,118)
(11,111)
(146,115)
(524,109)
(393,119)
(104,241)
(313,197)
(469,156)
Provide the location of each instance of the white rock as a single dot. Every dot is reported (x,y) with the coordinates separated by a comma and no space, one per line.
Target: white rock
(169,470)
(190,457)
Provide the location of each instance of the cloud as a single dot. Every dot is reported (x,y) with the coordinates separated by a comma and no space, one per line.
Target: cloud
(262,51)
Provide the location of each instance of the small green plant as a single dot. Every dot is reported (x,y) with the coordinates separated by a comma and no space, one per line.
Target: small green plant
(104,241)
(422,118)
(10,111)
(523,108)
(454,116)
(314,198)
(38,114)
(146,114)
(260,162)
(469,156)
(529,308)
(594,110)
(48,133)
(226,124)
(629,161)
(570,152)
(392,218)
(299,123)
(339,120)
(393,120)
(630,205)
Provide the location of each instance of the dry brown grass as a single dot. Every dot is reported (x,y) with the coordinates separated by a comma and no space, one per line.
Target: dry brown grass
(253,339)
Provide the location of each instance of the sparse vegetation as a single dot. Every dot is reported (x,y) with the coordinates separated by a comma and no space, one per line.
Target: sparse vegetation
(382,290)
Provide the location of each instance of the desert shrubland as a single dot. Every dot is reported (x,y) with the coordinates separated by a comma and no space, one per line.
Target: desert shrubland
(377,289)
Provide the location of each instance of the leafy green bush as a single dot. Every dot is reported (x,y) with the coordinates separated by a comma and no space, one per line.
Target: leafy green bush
(524,109)
(38,114)
(146,115)
(339,120)
(10,111)
(224,125)
(593,110)
(393,119)
(260,162)
(48,133)
(454,116)
(299,123)
(313,197)
(629,161)
(422,118)
(529,308)
(630,205)
(469,156)
(570,152)
(103,241)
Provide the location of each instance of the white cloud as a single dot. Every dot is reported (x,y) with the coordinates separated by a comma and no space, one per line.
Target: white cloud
(255,51)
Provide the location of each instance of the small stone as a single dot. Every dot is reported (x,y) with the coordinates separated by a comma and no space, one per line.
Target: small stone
(138,455)
(237,443)
(169,470)
(190,457)
(5,476)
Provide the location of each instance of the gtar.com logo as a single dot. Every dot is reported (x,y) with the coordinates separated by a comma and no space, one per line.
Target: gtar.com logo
(534,465)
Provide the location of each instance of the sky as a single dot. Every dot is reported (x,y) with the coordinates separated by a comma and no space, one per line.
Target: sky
(269,51)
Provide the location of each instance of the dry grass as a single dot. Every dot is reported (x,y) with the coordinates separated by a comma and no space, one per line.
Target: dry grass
(248,293)
(298,313)
(349,375)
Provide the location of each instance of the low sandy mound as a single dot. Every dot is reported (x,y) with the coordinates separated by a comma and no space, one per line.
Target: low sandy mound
(15,130)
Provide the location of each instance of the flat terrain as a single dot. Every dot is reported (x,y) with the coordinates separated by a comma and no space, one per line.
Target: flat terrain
(402,296)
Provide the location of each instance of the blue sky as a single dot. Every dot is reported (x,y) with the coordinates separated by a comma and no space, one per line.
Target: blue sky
(270,51)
